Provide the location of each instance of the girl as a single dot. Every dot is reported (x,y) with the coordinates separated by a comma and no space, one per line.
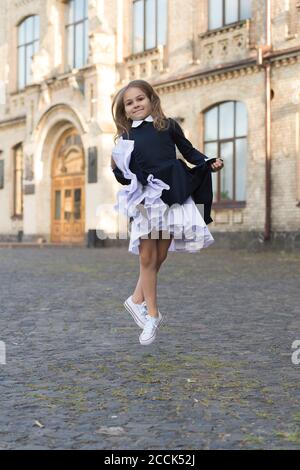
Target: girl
(159,193)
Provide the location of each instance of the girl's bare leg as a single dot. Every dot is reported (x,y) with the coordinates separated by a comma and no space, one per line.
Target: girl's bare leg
(148,273)
(138,296)
(162,252)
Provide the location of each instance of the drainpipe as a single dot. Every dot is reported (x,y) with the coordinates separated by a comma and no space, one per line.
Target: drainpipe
(263,49)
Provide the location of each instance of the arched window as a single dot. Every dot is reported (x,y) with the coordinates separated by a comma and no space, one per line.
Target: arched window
(149,24)
(18,181)
(225,136)
(28,44)
(77,33)
(224,12)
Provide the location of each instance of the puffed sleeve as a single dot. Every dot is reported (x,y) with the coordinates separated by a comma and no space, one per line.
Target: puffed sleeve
(190,153)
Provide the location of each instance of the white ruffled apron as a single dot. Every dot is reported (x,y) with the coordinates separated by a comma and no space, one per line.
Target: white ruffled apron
(150,214)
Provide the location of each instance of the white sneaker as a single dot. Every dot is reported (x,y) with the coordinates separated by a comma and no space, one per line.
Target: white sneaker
(149,332)
(137,311)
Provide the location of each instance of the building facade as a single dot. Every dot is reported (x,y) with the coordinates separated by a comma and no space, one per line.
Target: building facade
(229,71)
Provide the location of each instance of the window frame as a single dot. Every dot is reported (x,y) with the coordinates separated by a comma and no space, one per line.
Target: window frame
(224,24)
(144,49)
(218,202)
(84,20)
(25,45)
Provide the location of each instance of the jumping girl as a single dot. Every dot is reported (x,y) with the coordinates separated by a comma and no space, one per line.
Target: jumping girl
(160,193)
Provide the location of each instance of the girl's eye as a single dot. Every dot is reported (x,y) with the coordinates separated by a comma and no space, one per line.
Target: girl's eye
(129,102)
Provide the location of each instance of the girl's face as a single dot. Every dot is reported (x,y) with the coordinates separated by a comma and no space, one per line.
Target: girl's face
(136,103)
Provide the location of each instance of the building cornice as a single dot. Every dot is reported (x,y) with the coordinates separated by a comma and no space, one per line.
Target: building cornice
(291,55)
(205,76)
(227,71)
(13,121)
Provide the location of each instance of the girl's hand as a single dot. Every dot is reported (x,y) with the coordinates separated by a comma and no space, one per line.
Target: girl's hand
(217,166)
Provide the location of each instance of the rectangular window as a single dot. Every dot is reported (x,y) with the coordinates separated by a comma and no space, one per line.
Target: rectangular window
(162,22)
(245,9)
(29,30)
(70,7)
(225,136)
(36,34)
(231,11)
(211,124)
(241,170)
(225,12)
(227,120)
(29,54)
(57,205)
(21,66)
(79,60)
(68,204)
(149,24)
(86,42)
(79,10)
(215,14)
(77,203)
(92,165)
(226,152)
(138,26)
(70,46)
(28,45)
(21,35)
(77,43)
(35,47)
(241,120)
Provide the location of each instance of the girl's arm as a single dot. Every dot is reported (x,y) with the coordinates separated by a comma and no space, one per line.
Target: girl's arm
(118,173)
(134,167)
(119,176)
(190,153)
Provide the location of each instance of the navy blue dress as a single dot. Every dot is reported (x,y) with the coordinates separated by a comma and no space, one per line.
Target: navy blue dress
(154,152)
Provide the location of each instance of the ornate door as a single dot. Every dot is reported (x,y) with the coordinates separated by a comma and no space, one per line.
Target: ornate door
(68,177)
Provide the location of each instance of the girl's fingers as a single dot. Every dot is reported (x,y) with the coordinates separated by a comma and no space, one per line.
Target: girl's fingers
(218,163)
(217,166)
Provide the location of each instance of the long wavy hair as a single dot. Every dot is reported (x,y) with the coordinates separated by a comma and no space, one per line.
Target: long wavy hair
(123,124)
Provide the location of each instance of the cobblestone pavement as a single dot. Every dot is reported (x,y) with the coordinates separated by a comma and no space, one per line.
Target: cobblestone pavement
(218,376)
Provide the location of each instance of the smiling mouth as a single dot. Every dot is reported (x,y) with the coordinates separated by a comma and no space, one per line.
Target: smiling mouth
(138,111)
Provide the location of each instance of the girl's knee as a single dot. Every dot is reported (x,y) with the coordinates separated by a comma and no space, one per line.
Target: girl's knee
(148,257)
(148,260)
(160,259)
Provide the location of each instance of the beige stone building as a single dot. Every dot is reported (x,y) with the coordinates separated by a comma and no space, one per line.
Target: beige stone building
(229,71)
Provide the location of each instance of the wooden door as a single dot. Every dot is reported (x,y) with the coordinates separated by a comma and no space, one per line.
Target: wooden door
(68,201)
